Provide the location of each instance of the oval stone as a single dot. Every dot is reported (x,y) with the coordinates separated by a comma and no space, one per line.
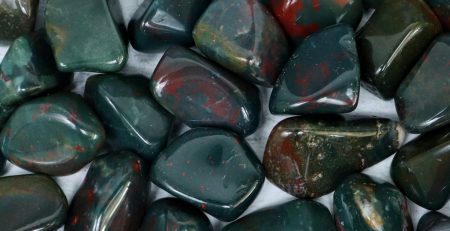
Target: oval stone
(56,135)
(17,18)
(434,221)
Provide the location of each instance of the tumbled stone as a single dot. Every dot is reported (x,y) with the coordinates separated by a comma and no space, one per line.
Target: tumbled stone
(17,18)
(56,135)
(174,214)
(322,75)
(243,37)
(293,215)
(392,41)
(31,202)
(211,169)
(201,94)
(133,120)
(113,195)
(433,221)
(362,204)
(309,157)
(86,35)
(442,9)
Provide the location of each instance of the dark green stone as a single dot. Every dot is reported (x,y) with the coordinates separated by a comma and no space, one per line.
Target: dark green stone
(373,4)
(309,157)
(5,112)
(290,216)
(322,75)
(31,202)
(56,135)
(365,205)
(113,195)
(211,169)
(174,214)
(133,120)
(86,35)
(433,221)
(442,9)
(392,41)
(17,18)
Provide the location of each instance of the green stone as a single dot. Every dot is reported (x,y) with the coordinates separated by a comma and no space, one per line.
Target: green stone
(5,112)
(55,135)
(86,35)
(133,120)
(17,18)
(31,202)
(212,169)
(365,205)
(433,221)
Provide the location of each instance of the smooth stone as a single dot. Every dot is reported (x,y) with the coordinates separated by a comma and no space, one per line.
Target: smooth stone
(164,22)
(201,94)
(243,37)
(174,214)
(17,18)
(290,216)
(301,18)
(212,169)
(113,195)
(87,35)
(423,104)
(133,120)
(392,41)
(433,221)
(442,9)
(322,76)
(365,205)
(309,157)
(31,202)
(5,112)
(56,135)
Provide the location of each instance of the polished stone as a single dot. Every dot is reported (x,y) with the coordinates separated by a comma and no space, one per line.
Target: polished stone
(442,9)
(17,18)
(433,221)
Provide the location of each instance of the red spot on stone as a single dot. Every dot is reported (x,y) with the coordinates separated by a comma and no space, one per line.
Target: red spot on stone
(325,70)
(90,195)
(341,3)
(173,87)
(43,108)
(287,147)
(73,116)
(188,161)
(78,148)
(288,12)
(183,174)
(74,220)
(203,206)
(316,5)
(137,166)
(169,164)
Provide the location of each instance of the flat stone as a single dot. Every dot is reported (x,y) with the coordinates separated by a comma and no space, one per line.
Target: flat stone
(442,9)
(17,18)
(55,135)
(392,41)
(211,169)
(113,195)
(201,94)
(133,120)
(243,37)
(309,157)
(322,75)
(433,221)
(362,204)
(31,202)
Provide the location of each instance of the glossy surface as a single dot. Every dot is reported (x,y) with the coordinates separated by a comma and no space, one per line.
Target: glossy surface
(113,194)
(389,50)
(290,216)
(86,35)
(17,18)
(363,204)
(309,157)
(31,202)
(201,94)
(56,135)
(322,75)
(433,221)
(133,120)
(211,169)
(442,9)
(170,214)
(430,78)
(164,22)
(243,37)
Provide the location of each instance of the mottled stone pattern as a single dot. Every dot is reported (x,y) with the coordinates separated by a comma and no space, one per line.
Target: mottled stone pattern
(243,37)
(442,9)
(433,221)
(113,195)
(211,169)
(309,157)
(17,18)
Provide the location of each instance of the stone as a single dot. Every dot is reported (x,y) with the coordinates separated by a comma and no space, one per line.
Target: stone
(322,76)
(113,195)
(372,4)
(389,50)
(293,215)
(243,37)
(5,112)
(301,18)
(89,38)
(31,202)
(133,120)
(433,221)
(56,135)
(442,9)
(174,214)
(212,169)
(158,23)
(363,204)
(17,18)
(420,114)
(201,94)
(308,157)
